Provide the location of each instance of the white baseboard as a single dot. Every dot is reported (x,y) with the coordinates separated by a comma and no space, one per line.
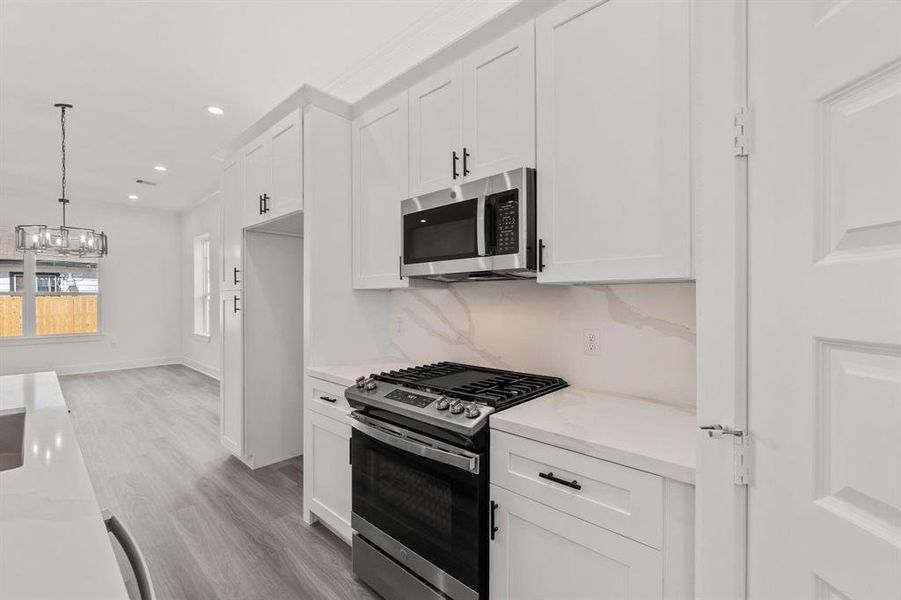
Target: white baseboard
(201,368)
(107,366)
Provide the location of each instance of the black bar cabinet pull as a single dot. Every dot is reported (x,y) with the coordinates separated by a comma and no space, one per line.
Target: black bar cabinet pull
(540,256)
(236,270)
(265,203)
(574,484)
(261,203)
(465,156)
(327,399)
(493,511)
(236,304)
(456,158)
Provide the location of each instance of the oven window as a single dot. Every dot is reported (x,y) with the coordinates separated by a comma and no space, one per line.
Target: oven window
(430,507)
(443,233)
(426,500)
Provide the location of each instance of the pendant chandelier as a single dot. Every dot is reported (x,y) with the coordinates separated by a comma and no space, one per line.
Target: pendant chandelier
(63,240)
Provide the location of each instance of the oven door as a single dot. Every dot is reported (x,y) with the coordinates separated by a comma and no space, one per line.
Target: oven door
(418,500)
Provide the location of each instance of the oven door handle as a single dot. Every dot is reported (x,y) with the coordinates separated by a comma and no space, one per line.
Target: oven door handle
(467,463)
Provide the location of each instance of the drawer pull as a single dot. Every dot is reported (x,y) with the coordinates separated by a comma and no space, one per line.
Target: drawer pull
(574,484)
(327,399)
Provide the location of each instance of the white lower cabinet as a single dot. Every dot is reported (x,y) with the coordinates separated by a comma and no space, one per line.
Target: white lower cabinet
(330,479)
(539,552)
(574,527)
(326,469)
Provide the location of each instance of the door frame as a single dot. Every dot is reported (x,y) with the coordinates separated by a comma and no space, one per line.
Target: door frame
(720,194)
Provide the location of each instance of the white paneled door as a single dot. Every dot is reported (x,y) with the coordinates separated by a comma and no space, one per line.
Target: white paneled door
(825,301)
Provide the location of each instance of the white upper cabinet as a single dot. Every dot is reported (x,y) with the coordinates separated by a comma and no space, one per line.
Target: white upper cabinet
(286,142)
(381,164)
(273,167)
(477,117)
(232,191)
(257,175)
(613,83)
(436,132)
(499,105)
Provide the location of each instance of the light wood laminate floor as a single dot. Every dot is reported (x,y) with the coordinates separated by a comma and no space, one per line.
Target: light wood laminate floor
(209,527)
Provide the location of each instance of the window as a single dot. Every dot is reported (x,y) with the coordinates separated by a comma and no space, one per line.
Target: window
(66,293)
(43,295)
(12,273)
(202,285)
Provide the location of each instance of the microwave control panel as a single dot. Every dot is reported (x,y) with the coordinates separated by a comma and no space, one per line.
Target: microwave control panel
(507,214)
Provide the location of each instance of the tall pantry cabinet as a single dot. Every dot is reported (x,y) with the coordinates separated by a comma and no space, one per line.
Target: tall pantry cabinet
(261,403)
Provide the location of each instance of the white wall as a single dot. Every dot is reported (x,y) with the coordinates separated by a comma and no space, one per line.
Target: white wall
(647,333)
(140,289)
(198,353)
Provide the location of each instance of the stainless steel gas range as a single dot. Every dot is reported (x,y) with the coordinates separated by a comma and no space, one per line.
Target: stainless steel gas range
(419,455)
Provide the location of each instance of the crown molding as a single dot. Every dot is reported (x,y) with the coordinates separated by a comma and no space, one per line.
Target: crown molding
(447,22)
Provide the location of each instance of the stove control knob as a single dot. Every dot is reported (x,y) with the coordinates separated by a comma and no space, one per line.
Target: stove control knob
(442,403)
(370,384)
(361,381)
(456,408)
(472,411)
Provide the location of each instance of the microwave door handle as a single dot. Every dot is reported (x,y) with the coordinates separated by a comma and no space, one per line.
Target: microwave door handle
(460,461)
(481,249)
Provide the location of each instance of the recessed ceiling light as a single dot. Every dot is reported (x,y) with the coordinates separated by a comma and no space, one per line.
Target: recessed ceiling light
(132,197)
(215,110)
(160,168)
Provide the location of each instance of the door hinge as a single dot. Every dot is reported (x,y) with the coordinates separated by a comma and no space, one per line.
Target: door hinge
(741,450)
(741,130)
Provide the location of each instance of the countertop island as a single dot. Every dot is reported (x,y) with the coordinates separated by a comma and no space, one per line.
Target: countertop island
(53,543)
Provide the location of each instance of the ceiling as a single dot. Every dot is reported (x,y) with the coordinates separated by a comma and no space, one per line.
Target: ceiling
(140,75)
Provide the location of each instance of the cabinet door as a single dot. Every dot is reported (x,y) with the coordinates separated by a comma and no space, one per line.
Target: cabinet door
(381,162)
(330,462)
(613,141)
(257,175)
(436,120)
(285,191)
(231,390)
(499,105)
(539,553)
(232,223)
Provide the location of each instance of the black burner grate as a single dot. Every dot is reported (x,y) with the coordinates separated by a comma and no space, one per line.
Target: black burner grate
(494,387)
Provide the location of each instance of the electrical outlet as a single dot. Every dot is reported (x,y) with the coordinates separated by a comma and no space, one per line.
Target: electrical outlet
(591,342)
(398,327)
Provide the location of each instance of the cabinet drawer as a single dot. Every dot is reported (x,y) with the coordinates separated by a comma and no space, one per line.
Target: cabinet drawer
(328,399)
(624,500)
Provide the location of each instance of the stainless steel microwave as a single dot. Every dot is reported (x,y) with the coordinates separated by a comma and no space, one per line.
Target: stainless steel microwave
(475,231)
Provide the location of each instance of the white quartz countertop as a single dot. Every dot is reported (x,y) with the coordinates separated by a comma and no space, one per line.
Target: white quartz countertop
(53,543)
(643,435)
(347,374)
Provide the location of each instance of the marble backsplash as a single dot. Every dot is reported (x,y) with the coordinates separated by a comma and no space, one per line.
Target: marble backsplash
(647,333)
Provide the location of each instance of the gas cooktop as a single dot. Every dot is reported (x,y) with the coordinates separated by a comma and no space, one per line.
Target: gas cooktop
(451,396)
(493,387)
